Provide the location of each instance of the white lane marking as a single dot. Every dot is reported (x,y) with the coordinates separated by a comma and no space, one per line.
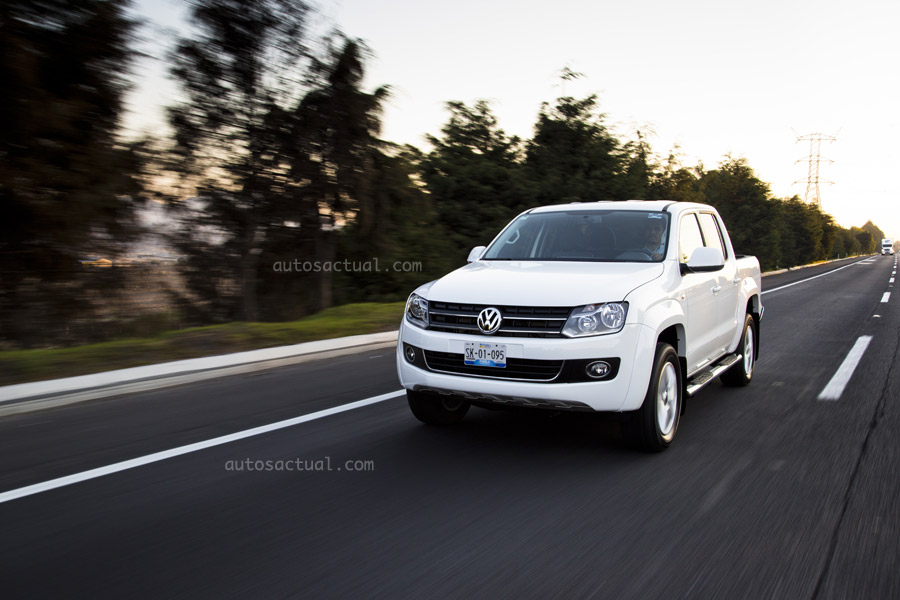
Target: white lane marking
(841,378)
(811,278)
(891,280)
(886,297)
(165,454)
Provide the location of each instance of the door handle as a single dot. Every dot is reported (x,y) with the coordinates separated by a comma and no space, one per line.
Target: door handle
(736,280)
(716,289)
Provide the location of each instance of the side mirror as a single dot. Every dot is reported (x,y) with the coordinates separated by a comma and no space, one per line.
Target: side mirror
(704,260)
(476,253)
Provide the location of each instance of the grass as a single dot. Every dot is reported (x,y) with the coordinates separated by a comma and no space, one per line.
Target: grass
(21,366)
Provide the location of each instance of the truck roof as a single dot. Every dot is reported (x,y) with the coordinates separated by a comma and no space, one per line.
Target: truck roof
(650,205)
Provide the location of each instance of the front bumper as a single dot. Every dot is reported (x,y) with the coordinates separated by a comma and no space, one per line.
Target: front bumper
(623,391)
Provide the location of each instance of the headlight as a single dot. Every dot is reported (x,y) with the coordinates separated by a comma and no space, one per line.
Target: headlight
(417,311)
(596,319)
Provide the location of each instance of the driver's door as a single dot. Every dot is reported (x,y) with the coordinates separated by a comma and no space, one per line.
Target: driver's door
(699,299)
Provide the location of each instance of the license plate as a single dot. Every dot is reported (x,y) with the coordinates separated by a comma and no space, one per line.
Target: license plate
(485,355)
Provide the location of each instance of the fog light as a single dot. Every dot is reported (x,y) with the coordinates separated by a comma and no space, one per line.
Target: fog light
(410,353)
(598,369)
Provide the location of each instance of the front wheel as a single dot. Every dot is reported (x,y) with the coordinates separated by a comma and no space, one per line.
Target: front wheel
(742,372)
(653,426)
(436,410)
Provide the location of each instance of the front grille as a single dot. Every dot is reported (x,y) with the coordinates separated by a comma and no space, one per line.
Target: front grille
(518,321)
(524,369)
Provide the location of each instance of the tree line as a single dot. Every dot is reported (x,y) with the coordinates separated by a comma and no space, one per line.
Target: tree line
(275,157)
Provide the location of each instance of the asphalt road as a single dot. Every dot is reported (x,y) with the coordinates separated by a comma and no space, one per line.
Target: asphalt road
(768,491)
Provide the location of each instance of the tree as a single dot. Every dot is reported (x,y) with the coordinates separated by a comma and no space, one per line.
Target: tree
(474,177)
(639,167)
(877,235)
(845,244)
(866,239)
(742,200)
(399,227)
(241,75)
(673,181)
(333,147)
(67,185)
(803,229)
(574,158)
(282,139)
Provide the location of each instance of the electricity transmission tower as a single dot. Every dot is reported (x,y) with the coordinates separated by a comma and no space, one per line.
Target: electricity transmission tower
(814,159)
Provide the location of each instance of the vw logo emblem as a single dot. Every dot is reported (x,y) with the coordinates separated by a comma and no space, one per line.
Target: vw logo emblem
(489,320)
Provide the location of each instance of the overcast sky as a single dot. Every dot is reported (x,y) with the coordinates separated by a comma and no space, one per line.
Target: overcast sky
(710,76)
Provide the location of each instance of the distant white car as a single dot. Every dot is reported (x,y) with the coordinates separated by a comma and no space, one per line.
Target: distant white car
(622,307)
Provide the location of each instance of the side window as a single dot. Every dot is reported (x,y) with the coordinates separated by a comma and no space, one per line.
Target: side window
(711,232)
(689,238)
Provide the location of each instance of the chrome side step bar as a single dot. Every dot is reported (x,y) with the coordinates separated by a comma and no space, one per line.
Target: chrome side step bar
(704,378)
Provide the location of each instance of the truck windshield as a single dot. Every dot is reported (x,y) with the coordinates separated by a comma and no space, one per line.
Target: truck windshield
(603,236)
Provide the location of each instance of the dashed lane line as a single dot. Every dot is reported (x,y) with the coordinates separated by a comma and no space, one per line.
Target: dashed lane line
(841,378)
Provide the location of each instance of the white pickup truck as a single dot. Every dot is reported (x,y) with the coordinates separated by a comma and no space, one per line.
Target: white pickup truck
(626,307)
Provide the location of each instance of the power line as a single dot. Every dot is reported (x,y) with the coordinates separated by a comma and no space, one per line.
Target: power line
(813,194)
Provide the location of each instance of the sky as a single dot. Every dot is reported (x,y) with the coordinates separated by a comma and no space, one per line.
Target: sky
(710,77)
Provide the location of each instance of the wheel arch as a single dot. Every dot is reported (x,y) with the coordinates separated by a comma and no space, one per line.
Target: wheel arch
(668,320)
(662,319)
(755,309)
(674,335)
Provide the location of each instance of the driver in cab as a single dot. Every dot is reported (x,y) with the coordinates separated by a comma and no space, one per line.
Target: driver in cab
(654,245)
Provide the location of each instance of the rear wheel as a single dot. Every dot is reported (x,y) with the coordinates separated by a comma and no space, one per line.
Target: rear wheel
(653,426)
(435,409)
(742,372)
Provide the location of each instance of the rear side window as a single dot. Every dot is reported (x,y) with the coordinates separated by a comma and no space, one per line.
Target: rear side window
(690,238)
(712,235)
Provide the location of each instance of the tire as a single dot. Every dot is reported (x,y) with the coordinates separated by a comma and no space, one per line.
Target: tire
(742,372)
(433,409)
(652,427)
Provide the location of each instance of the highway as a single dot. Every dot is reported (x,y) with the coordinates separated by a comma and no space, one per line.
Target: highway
(787,488)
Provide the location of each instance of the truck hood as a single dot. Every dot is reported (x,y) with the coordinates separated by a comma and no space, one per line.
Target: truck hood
(535,283)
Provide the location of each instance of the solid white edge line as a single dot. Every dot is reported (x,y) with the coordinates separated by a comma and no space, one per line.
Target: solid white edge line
(811,278)
(842,376)
(52,484)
